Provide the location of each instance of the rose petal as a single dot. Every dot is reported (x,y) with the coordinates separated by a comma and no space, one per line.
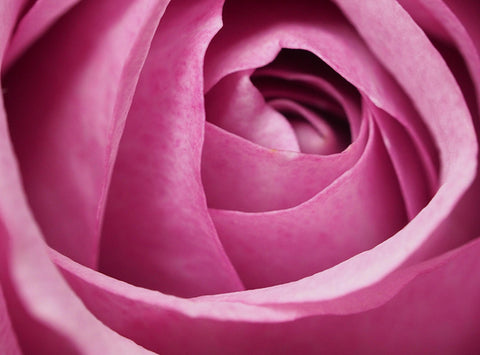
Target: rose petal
(44,311)
(412,175)
(456,26)
(241,176)
(67,101)
(357,211)
(157,230)
(432,305)
(326,33)
(8,339)
(237,106)
(443,109)
(39,18)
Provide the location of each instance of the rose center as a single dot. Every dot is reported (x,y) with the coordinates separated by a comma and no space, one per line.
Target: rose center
(303,89)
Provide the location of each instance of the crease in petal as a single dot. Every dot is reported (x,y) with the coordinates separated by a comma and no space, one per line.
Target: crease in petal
(37,20)
(239,175)
(167,241)
(237,106)
(359,210)
(66,102)
(403,298)
(45,313)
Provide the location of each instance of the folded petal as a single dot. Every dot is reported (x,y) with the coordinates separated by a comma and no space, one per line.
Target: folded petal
(157,230)
(433,305)
(238,107)
(38,19)
(360,209)
(8,339)
(241,176)
(66,101)
(46,314)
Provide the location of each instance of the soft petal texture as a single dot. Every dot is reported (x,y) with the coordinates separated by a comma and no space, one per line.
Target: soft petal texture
(456,25)
(42,15)
(406,159)
(67,101)
(241,176)
(432,306)
(326,34)
(405,295)
(357,211)
(238,107)
(439,100)
(46,314)
(158,233)
(8,339)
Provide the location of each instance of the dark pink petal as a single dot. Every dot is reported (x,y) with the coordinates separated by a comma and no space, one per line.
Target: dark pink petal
(406,159)
(157,232)
(8,339)
(67,100)
(39,18)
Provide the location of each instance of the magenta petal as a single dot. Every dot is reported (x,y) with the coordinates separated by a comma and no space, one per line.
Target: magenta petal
(157,230)
(238,175)
(406,159)
(433,305)
(41,16)
(356,212)
(67,100)
(8,339)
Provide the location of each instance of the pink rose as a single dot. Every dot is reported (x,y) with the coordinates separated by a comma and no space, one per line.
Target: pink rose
(254,177)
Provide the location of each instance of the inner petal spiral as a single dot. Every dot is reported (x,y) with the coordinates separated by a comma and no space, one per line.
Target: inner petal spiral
(296,84)
(291,104)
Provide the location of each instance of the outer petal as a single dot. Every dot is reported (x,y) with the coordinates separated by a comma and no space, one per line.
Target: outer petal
(452,25)
(431,307)
(46,315)
(158,232)
(67,100)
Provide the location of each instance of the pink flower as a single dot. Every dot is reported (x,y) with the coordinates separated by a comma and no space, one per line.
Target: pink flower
(254,177)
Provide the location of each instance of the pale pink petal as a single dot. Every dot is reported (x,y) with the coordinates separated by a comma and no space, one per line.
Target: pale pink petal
(433,305)
(314,133)
(67,100)
(157,231)
(306,88)
(45,313)
(455,31)
(235,105)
